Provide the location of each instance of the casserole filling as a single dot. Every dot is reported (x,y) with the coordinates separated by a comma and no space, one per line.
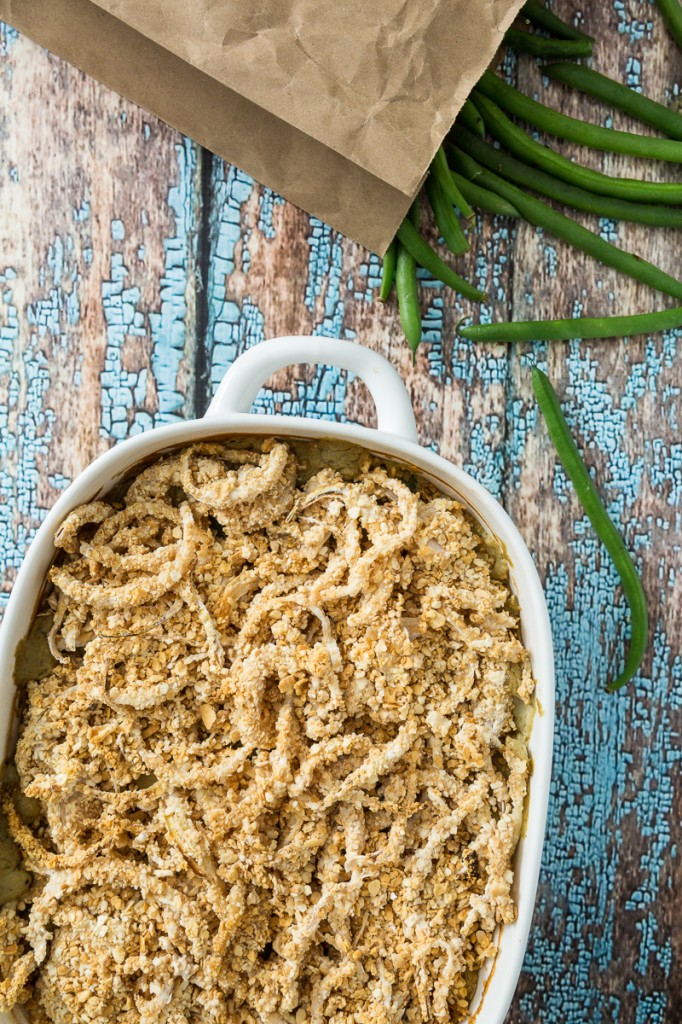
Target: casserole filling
(275,768)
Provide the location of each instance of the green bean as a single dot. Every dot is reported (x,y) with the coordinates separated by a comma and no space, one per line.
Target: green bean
(587,493)
(622,97)
(388,270)
(447,222)
(672,16)
(470,117)
(537,14)
(578,327)
(431,261)
(583,132)
(408,299)
(466,166)
(570,195)
(440,168)
(539,46)
(483,198)
(521,145)
(541,215)
(407,288)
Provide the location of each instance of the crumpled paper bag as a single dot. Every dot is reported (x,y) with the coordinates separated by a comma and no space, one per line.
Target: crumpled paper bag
(339,105)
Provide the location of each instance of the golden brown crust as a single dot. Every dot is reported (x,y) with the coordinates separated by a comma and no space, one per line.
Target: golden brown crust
(278,762)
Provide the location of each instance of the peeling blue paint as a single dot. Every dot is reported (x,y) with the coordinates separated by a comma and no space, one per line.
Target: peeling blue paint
(8,37)
(230,329)
(323,397)
(169,329)
(25,427)
(124,392)
(635,28)
(324,278)
(269,200)
(633,73)
(81,214)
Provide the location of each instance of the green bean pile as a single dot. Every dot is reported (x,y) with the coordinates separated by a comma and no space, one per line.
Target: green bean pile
(490,162)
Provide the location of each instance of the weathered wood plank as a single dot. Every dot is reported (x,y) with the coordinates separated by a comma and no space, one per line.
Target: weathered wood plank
(98,207)
(604,933)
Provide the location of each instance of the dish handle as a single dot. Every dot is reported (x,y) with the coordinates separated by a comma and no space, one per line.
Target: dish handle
(242,382)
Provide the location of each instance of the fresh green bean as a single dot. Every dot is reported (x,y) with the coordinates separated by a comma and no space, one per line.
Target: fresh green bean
(407,288)
(539,46)
(388,270)
(408,299)
(578,327)
(537,14)
(440,168)
(422,252)
(470,117)
(541,215)
(466,166)
(622,97)
(483,198)
(672,16)
(563,127)
(570,195)
(587,493)
(522,146)
(447,222)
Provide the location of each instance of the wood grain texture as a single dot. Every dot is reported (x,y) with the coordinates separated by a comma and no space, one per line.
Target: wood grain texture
(134,269)
(98,207)
(610,889)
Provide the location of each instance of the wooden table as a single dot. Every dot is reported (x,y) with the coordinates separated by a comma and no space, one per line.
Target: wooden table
(135,267)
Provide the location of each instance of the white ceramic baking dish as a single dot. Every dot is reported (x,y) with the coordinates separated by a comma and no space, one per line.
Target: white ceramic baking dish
(396,439)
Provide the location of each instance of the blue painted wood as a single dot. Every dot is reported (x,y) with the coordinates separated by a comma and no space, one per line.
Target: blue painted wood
(97,280)
(106,308)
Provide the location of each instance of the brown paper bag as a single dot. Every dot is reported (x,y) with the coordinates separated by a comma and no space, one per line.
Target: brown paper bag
(339,105)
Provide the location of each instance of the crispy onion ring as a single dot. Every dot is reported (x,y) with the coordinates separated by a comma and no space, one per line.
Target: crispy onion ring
(66,536)
(231,496)
(204,479)
(141,589)
(37,858)
(126,529)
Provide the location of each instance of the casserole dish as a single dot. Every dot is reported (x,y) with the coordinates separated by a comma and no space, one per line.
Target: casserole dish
(396,441)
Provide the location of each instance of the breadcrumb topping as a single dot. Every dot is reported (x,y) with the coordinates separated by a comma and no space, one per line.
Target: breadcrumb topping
(277,761)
